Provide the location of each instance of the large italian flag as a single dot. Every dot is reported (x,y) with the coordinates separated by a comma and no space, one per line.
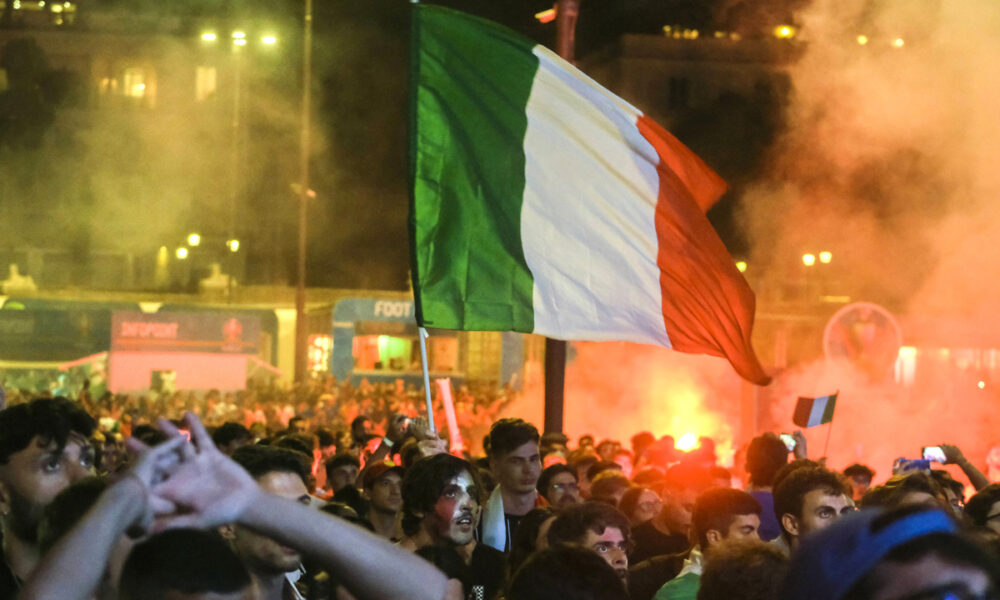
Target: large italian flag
(544,203)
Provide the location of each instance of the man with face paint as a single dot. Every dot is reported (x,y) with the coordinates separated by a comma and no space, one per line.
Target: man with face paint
(441,506)
(43,449)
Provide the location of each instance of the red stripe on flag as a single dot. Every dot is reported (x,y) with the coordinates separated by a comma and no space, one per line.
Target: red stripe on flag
(708,308)
(704,184)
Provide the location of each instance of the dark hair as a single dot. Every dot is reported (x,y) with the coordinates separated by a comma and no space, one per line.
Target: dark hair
(303,444)
(189,561)
(507,435)
(716,509)
(230,432)
(641,440)
(860,470)
(718,472)
(582,460)
(650,476)
(261,460)
(946,481)
(51,419)
(358,429)
(525,536)
(573,522)
(789,495)
(66,510)
(340,460)
(548,473)
(325,438)
(631,499)
(743,570)
(795,465)
(978,507)
(607,484)
(765,455)
(893,492)
(554,438)
(425,481)
(149,435)
(601,466)
(565,572)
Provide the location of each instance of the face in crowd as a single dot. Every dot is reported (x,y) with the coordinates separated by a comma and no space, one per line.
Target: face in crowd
(517,471)
(820,509)
(612,547)
(32,477)
(647,506)
(678,505)
(261,553)
(563,490)
(456,512)
(386,494)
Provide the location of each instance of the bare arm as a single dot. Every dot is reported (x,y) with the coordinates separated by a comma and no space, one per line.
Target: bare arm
(209,490)
(74,567)
(954,456)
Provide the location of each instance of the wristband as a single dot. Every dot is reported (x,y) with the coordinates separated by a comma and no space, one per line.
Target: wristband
(387,442)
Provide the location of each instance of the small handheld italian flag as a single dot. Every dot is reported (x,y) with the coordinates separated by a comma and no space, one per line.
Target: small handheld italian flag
(544,203)
(810,412)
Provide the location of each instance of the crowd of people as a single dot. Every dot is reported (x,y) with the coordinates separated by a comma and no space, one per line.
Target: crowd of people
(193,507)
(323,403)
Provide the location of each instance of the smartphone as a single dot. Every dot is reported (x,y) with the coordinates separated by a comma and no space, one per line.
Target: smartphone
(789,440)
(934,454)
(904,465)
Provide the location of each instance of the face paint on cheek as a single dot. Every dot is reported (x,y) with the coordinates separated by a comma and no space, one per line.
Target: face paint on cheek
(446,510)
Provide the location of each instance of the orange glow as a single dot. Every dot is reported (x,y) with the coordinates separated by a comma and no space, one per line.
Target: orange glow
(808,259)
(687,442)
(546,16)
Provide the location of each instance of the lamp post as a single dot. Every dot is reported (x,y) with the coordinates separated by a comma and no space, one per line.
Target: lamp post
(301,331)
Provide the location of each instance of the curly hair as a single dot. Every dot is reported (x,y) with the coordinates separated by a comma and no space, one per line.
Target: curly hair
(743,570)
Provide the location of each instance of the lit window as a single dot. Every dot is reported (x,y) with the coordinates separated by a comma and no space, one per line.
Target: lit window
(204,83)
(134,83)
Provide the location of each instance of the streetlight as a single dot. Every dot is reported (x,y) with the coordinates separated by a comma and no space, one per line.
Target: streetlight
(808,259)
(741,266)
(862,39)
(270,40)
(209,36)
(194,239)
(898,43)
(825,257)
(233,245)
(181,253)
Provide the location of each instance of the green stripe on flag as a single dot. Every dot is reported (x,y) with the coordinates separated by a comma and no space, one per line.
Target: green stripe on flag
(831,403)
(472,81)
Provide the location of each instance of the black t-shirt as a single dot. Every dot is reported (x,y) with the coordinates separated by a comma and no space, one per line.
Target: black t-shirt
(9,584)
(486,570)
(650,542)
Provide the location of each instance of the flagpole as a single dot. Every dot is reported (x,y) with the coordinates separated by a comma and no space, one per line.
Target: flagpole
(555,350)
(422,334)
(829,431)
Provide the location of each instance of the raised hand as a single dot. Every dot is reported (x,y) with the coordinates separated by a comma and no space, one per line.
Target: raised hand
(206,489)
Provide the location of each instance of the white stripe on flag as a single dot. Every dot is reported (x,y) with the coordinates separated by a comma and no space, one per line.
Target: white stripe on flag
(816,414)
(587,223)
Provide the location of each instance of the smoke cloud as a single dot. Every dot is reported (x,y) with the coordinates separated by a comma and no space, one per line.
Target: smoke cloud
(888,162)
